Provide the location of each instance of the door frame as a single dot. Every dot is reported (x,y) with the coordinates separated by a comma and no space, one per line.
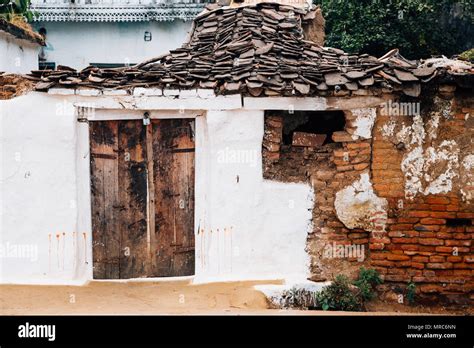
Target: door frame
(84,115)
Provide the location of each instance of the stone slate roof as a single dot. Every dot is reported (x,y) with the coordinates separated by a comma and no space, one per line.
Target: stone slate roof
(254,50)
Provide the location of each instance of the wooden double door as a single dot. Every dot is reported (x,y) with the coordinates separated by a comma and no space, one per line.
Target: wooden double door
(142,184)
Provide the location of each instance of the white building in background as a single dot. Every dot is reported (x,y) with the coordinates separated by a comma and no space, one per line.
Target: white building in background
(111,33)
(19,49)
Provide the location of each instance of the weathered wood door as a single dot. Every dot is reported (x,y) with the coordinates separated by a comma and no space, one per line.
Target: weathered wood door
(142,184)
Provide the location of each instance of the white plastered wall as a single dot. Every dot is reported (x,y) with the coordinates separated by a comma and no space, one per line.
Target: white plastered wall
(247,227)
(259,227)
(17,56)
(45,211)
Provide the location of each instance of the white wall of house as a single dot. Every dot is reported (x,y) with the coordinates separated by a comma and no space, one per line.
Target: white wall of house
(41,231)
(246,227)
(17,56)
(77,44)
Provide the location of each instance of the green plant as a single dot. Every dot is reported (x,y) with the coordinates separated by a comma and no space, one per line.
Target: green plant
(299,298)
(10,9)
(411,292)
(367,281)
(340,295)
(467,55)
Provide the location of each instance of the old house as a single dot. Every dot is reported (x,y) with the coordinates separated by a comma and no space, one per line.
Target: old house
(19,47)
(251,152)
(110,33)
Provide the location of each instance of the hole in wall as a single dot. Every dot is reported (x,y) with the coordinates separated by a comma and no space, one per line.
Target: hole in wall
(458,222)
(313,122)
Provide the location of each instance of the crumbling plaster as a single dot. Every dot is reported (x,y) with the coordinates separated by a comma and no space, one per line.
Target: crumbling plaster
(357,206)
(430,165)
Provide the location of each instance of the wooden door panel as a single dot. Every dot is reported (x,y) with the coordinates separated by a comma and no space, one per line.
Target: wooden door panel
(133,195)
(104,187)
(173,149)
(142,182)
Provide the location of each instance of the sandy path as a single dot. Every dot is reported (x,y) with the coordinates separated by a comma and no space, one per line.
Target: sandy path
(156,297)
(163,297)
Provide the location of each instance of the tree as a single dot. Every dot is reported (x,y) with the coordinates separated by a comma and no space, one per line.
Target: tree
(11,8)
(419,28)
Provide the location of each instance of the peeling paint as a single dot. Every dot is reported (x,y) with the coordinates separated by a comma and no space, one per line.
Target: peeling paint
(364,122)
(467,173)
(357,204)
(427,170)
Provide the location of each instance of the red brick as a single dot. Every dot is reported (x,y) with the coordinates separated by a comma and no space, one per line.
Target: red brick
(443,214)
(411,247)
(378,256)
(409,220)
(454,259)
(431,241)
(462,236)
(469,259)
(443,235)
(360,166)
(436,265)
(382,263)
(417,265)
(420,259)
(405,240)
(427,248)
(417,213)
(432,221)
(437,258)
(439,207)
(437,200)
(396,234)
(431,288)
(376,246)
(394,257)
(458,243)
(401,227)
(463,265)
(463,215)
(444,249)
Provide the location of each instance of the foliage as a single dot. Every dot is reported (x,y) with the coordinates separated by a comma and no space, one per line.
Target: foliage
(12,8)
(419,28)
(298,298)
(339,295)
(411,292)
(467,55)
(368,280)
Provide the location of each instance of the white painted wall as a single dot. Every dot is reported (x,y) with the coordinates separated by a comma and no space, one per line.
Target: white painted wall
(39,190)
(77,44)
(249,228)
(17,56)
(259,227)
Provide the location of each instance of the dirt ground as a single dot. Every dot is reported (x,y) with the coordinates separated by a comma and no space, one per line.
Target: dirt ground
(150,297)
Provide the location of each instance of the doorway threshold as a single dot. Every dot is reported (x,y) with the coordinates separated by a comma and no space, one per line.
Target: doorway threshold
(147,280)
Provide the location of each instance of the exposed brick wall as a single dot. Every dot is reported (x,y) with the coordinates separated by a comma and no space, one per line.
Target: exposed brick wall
(416,245)
(420,247)
(328,168)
